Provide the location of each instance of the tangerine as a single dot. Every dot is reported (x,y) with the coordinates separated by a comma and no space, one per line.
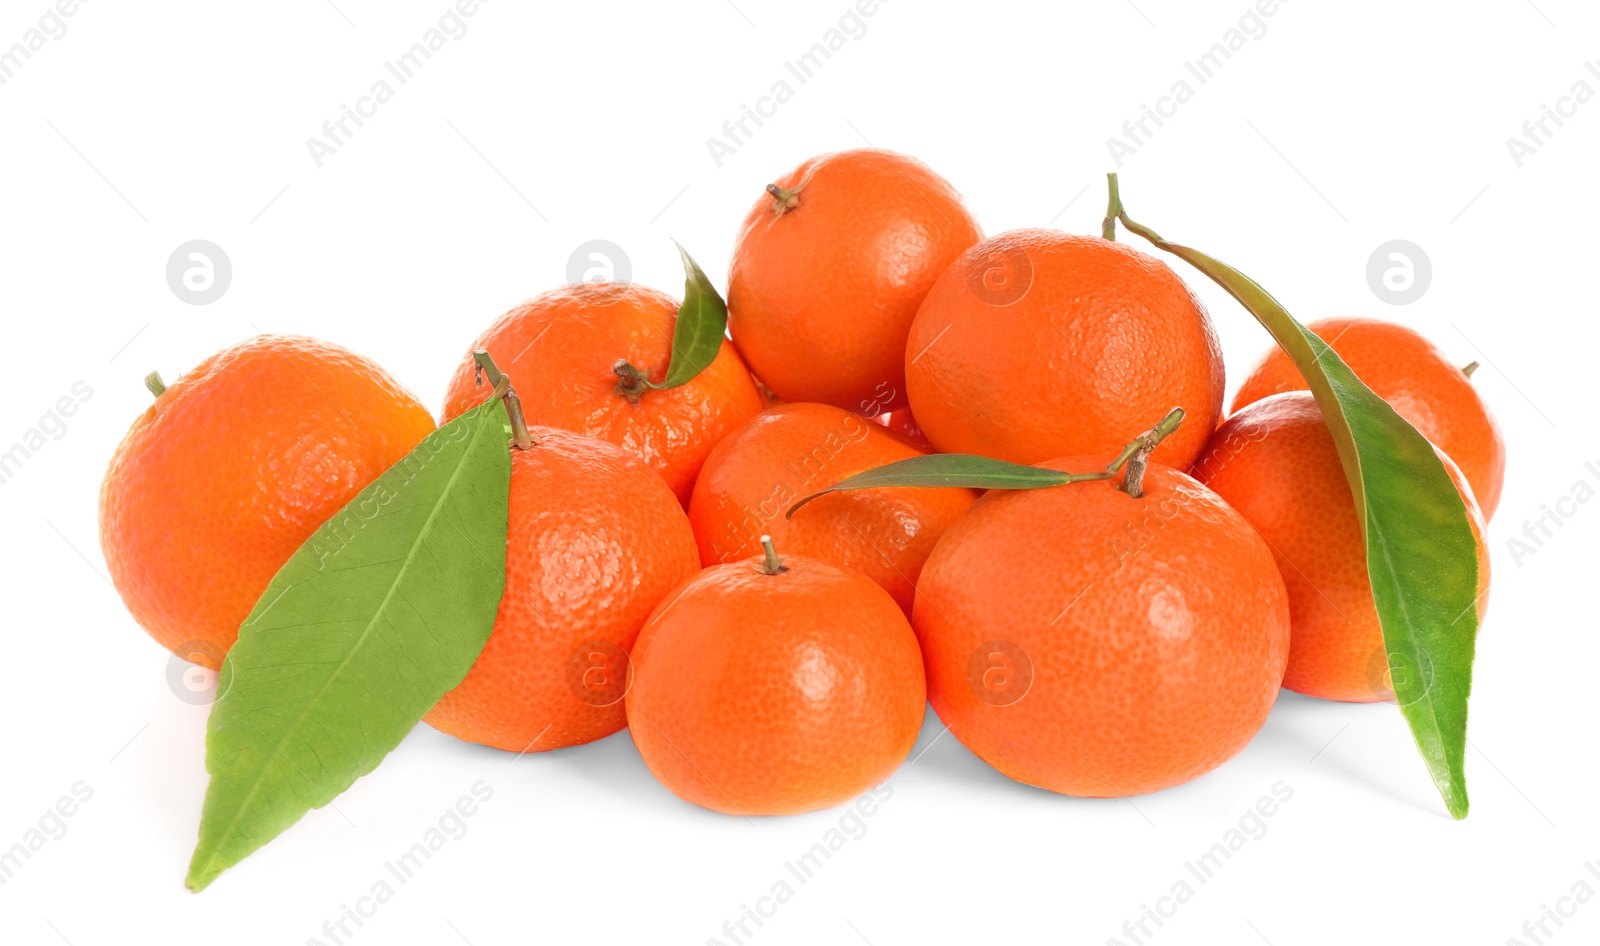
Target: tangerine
(595,540)
(1276,463)
(232,469)
(828,271)
(1038,344)
(775,687)
(756,474)
(1092,643)
(1419,382)
(565,347)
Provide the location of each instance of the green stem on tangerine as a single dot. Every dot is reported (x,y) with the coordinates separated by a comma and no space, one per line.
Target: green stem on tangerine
(1469,369)
(1108,226)
(1122,215)
(153,382)
(1137,454)
(486,368)
(773,564)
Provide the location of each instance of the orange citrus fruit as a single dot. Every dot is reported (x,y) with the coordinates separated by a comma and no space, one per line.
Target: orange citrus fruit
(791,451)
(563,348)
(1275,462)
(1038,344)
(1418,381)
(828,271)
(232,469)
(762,692)
(595,541)
(1096,644)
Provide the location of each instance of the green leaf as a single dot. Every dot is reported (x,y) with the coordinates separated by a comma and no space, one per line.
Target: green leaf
(1422,559)
(380,613)
(953,469)
(702,319)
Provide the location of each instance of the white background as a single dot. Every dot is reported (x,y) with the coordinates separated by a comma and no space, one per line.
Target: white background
(1345,125)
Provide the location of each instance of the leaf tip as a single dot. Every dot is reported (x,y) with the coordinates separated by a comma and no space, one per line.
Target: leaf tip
(689,265)
(695,277)
(202,871)
(789,514)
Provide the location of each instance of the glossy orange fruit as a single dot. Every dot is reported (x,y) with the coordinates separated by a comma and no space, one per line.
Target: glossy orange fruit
(562,348)
(1094,644)
(1276,463)
(793,450)
(230,471)
(1038,344)
(759,693)
(1417,380)
(595,541)
(828,271)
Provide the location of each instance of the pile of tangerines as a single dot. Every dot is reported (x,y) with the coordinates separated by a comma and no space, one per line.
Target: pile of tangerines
(1107,637)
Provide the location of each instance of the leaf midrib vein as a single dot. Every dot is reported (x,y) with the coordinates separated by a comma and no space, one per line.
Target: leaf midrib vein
(1405,615)
(277,747)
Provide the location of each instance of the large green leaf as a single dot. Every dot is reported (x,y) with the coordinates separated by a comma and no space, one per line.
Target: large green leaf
(1421,556)
(702,319)
(378,615)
